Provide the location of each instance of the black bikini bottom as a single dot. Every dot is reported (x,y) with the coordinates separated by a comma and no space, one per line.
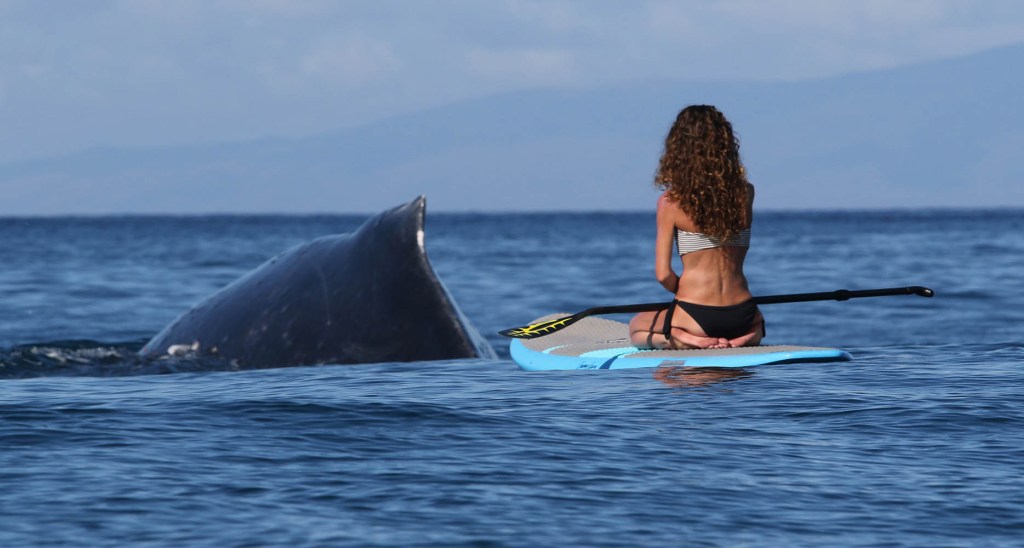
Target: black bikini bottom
(725,322)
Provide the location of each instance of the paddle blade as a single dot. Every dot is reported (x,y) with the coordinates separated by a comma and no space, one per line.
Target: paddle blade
(540,329)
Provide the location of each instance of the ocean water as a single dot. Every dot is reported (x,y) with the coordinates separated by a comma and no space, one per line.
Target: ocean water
(917,442)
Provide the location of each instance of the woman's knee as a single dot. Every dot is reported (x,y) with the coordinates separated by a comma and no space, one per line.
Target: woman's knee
(645,321)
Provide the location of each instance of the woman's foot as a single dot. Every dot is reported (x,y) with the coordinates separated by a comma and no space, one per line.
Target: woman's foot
(682,339)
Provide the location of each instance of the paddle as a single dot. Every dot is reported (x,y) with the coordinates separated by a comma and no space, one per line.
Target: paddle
(535,330)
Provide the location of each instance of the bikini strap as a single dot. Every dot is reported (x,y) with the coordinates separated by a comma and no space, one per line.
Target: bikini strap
(667,331)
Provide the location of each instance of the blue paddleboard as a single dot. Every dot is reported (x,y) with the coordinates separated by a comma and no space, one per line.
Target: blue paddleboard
(598,343)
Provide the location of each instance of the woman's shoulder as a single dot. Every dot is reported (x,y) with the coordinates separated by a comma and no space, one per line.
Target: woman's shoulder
(671,212)
(667,205)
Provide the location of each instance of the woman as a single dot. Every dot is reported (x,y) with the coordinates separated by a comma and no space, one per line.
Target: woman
(706,209)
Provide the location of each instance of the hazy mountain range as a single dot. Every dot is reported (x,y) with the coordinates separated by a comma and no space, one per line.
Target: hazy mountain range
(948,133)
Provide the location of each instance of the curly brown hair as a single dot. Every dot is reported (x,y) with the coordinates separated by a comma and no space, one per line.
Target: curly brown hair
(701,171)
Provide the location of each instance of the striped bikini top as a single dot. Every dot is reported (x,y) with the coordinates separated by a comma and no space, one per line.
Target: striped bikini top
(688,242)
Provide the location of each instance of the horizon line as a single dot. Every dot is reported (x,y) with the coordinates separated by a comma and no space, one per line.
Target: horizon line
(471,213)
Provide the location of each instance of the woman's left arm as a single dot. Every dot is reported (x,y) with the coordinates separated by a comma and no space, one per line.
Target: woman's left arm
(663,247)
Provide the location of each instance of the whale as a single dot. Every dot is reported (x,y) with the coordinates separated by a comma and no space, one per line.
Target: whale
(370,296)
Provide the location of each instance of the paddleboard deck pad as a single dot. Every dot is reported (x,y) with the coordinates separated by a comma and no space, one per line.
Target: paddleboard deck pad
(598,343)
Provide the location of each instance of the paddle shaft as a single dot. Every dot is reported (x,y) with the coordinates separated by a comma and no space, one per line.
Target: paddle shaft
(837,295)
(546,328)
(844,295)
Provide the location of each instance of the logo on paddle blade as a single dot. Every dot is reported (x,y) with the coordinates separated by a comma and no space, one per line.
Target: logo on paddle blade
(538,329)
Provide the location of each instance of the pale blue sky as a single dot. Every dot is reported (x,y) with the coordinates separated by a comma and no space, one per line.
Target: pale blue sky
(76,75)
(141,72)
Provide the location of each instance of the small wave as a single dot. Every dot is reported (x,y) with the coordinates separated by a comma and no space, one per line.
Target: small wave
(353,412)
(95,359)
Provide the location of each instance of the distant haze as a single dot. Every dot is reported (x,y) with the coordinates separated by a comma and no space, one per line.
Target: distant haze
(532,119)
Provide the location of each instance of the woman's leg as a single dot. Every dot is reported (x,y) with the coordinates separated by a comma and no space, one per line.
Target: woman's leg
(645,330)
(752,338)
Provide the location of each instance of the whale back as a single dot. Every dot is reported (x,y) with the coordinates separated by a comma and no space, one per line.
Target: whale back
(369,296)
